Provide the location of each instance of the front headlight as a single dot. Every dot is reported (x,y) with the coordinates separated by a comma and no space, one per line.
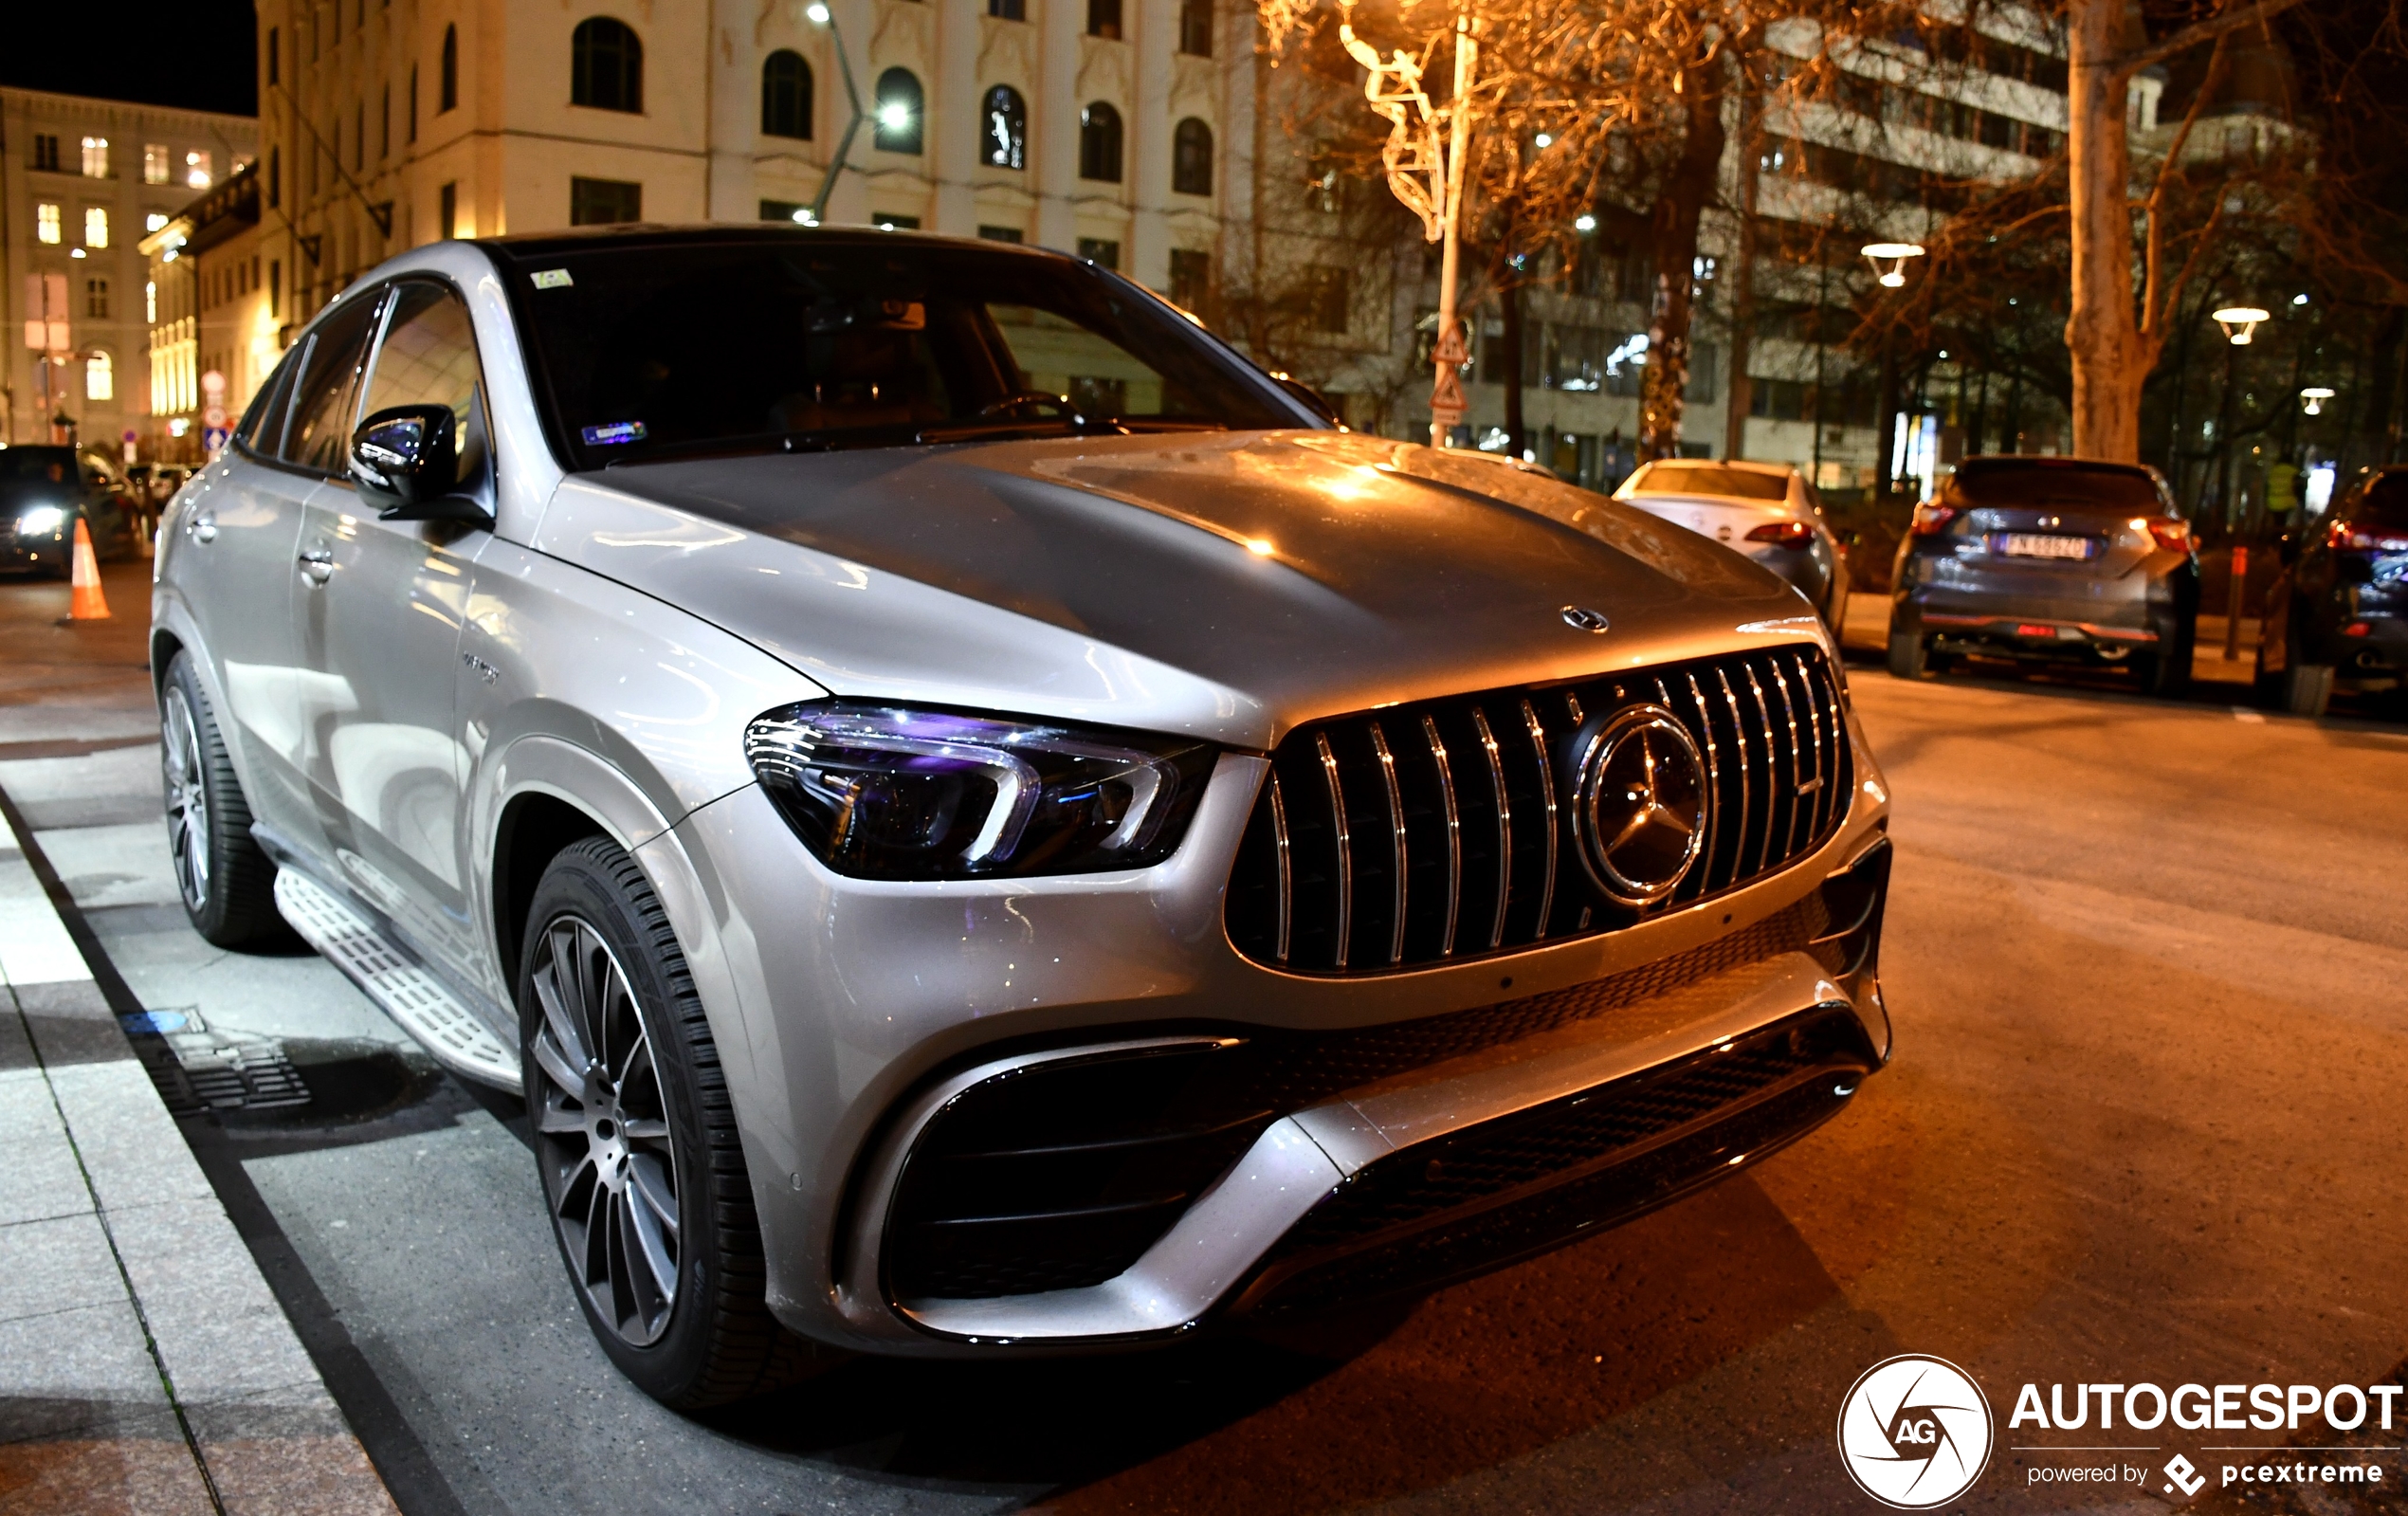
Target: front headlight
(882,792)
(40,521)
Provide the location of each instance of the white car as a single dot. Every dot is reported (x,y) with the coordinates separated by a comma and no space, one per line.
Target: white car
(1767,511)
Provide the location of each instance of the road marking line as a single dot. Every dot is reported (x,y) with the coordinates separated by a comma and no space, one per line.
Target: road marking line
(2242,713)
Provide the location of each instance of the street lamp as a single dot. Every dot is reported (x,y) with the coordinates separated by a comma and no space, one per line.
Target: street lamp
(812,214)
(2313,399)
(2245,317)
(1895,254)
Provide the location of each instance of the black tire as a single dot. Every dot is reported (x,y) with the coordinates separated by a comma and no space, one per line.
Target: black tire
(1909,655)
(228,885)
(2307,688)
(651,1106)
(2166,672)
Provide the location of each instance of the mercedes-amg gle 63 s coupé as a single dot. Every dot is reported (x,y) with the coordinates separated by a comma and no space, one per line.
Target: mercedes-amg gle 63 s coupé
(980,824)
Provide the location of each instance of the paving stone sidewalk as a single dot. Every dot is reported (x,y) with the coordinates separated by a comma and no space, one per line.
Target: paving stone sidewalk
(144,1365)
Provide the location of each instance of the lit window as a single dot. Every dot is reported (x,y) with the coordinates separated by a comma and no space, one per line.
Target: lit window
(99,378)
(151,302)
(46,223)
(96,157)
(196,170)
(157,164)
(96,227)
(154,221)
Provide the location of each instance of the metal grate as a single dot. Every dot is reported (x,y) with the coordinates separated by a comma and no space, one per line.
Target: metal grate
(1437,830)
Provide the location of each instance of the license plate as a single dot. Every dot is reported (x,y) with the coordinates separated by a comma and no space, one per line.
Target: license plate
(2039,545)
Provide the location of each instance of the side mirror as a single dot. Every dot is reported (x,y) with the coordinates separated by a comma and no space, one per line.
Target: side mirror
(407,460)
(1314,400)
(2349,568)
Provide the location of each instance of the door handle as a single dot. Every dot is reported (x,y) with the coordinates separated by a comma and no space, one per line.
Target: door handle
(316,566)
(202,526)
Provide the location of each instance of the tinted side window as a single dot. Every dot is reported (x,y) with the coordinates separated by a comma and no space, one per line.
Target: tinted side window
(429,356)
(322,411)
(263,426)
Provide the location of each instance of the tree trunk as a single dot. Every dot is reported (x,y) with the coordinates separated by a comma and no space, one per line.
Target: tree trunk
(1510,296)
(2102,334)
(1689,185)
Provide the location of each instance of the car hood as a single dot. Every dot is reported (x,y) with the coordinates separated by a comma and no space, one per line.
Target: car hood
(1227,585)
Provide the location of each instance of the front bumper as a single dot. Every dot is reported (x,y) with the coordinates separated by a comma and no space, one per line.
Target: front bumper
(863,1010)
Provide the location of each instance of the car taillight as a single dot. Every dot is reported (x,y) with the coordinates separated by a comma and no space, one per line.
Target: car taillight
(1930,519)
(2342,535)
(1783,534)
(2174,536)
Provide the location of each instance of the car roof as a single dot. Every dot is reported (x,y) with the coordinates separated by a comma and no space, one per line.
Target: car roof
(532,246)
(1749,466)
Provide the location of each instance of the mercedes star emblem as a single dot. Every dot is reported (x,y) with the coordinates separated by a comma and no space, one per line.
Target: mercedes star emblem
(1581,618)
(1640,803)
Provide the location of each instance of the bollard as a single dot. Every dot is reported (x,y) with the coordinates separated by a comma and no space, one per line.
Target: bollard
(2233,604)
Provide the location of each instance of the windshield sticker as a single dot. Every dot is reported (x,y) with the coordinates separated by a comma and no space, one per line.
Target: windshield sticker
(552,279)
(613,433)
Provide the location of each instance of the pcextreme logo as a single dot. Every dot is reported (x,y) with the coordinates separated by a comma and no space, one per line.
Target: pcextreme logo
(1915,1431)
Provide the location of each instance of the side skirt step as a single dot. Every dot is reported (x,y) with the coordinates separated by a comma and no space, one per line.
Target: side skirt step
(406,991)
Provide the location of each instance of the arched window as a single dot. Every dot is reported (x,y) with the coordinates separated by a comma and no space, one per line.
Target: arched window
(786,96)
(606,66)
(449,95)
(100,377)
(1100,143)
(900,111)
(1192,157)
(1195,28)
(1003,129)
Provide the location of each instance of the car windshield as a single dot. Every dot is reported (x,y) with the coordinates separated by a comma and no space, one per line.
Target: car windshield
(2014,482)
(669,349)
(38,464)
(1735,484)
(2384,506)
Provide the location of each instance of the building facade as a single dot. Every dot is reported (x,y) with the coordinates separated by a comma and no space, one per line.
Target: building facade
(81,182)
(1093,126)
(212,290)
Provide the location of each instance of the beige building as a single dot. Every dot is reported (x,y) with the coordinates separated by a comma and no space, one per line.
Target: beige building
(1089,125)
(212,290)
(81,182)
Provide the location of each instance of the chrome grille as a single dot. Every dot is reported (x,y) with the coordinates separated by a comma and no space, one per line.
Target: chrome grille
(1418,834)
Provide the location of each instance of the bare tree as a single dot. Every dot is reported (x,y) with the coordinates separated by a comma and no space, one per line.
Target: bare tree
(2115,331)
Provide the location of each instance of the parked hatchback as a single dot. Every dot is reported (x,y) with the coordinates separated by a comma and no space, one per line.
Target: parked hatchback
(981,825)
(2338,613)
(2051,562)
(1767,511)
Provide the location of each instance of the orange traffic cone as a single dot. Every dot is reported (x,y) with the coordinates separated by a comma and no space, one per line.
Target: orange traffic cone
(87,603)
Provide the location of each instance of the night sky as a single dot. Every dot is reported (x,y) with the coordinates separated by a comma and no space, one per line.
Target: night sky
(194,53)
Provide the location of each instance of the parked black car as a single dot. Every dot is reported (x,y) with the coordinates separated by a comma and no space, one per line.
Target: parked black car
(2338,613)
(43,490)
(2050,560)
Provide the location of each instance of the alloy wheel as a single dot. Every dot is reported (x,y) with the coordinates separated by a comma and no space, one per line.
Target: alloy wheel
(188,829)
(602,1122)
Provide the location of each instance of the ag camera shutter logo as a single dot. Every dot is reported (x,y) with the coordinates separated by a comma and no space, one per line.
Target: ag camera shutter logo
(1915,1431)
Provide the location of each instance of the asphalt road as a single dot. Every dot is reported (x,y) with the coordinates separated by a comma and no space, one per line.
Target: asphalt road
(2149,969)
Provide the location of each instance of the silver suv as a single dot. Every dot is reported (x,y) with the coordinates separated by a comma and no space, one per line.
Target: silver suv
(2065,561)
(978,823)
